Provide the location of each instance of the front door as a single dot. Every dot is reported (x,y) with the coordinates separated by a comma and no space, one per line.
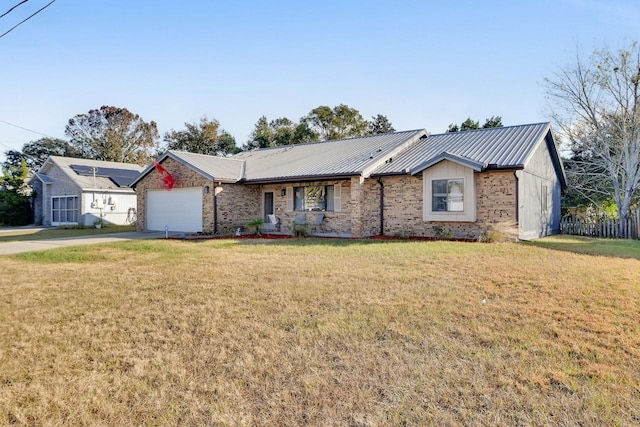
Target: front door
(268,204)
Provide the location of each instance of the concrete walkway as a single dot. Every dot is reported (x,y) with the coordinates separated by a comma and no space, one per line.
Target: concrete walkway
(8,248)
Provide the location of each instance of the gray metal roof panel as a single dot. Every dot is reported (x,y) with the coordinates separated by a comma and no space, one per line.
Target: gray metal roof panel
(342,157)
(222,168)
(503,147)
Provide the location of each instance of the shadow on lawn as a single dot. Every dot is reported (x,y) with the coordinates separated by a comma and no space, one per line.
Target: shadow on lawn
(615,248)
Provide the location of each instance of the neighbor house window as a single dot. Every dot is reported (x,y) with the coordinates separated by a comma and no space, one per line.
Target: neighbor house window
(313,198)
(447,195)
(64,209)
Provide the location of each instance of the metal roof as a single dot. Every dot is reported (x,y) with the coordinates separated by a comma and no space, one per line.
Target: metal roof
(87,181)
(215,167)
(503,147)
(336,158)
(408,152)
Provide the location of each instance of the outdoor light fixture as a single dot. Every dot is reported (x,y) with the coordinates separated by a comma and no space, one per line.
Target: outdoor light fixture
(206,189)
(283,192)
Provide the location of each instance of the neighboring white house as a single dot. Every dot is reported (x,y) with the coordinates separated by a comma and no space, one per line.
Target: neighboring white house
(79,191)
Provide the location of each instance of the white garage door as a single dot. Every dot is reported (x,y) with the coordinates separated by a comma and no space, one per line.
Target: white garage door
(180,209)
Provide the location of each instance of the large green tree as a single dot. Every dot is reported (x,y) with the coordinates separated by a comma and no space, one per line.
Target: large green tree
(278,132)
(35,153)
(596,105)
(205,137)
(113,134)
(15,203)
(338,122)
(379,124)
(470,124)
(322,123)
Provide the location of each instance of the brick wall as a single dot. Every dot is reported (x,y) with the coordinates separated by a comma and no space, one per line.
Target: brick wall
(335,222)
(185,178)
(359,215)
(404,204)
(237,205)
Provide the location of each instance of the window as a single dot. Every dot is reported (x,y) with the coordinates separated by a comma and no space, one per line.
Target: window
(64,209)
(447,195)
(313,198)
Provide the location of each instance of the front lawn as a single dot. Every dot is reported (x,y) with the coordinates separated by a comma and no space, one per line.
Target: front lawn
(57,233)
(319,332)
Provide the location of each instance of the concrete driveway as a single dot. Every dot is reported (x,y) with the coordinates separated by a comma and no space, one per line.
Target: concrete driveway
(9,248)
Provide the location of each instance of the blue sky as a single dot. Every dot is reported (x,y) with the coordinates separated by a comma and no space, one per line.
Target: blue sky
(423,64)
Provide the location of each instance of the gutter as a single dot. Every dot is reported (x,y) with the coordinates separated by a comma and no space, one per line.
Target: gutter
(300,178)
(515,174)
(215,208)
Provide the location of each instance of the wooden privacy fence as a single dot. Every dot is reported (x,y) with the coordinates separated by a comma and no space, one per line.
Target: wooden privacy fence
(611,228)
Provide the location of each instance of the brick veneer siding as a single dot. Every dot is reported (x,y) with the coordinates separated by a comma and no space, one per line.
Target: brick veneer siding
(185,178)
(359,215)
(404,204)
(334,222)
(237,205)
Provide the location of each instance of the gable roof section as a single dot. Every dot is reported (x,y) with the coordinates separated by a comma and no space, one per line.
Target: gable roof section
(212,167)
(326,159)
(398,153)
(476,166)
(500,148)
(109,174)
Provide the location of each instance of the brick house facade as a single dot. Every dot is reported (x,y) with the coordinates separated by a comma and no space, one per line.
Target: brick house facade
(383,194)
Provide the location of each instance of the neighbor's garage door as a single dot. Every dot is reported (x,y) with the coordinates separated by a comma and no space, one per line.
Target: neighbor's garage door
(180,209)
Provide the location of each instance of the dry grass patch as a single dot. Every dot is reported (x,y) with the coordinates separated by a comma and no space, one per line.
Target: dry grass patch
(313,332)
(21,234)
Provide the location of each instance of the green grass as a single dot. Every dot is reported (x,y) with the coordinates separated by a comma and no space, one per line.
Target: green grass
(57,233)
(320,332)
(589,245)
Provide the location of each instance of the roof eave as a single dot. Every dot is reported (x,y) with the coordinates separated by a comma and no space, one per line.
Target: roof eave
(299,178)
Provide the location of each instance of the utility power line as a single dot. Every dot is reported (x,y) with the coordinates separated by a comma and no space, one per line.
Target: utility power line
(9,11)
(27,129)
(27,18)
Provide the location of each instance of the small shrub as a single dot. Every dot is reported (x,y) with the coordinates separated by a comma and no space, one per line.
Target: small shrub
(442,233)
(256,223)
(301,230)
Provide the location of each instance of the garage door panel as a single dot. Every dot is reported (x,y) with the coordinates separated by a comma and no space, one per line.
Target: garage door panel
(180,209)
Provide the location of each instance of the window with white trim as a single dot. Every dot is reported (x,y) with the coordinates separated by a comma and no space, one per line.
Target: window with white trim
(64,209)
(313,198)
(447,195)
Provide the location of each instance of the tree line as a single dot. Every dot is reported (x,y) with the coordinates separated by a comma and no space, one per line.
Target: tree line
(116,134)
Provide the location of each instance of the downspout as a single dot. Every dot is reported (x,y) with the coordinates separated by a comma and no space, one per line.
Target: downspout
(215,209)
(515,174)
(381,206)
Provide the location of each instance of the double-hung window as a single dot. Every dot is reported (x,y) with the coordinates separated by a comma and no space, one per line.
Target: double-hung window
(313,198)
(447,195)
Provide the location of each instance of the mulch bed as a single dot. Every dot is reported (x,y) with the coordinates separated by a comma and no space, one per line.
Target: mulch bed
(202,236)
